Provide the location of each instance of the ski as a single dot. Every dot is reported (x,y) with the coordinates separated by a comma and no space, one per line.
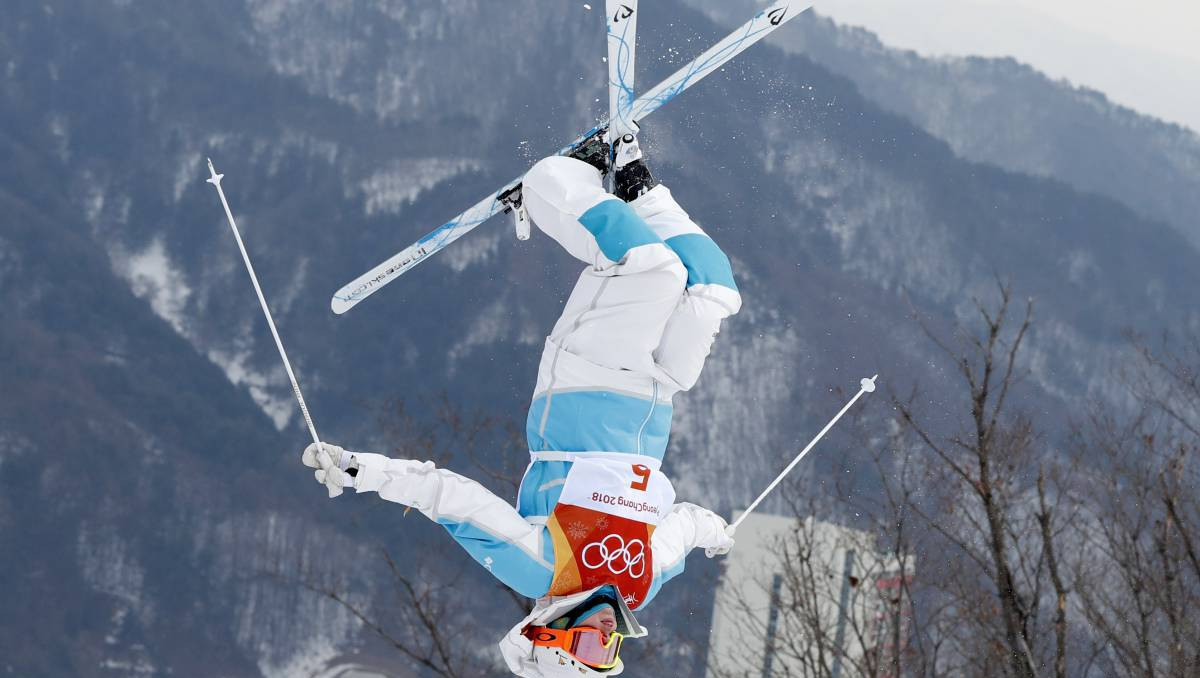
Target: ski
(508,198)
(622,42)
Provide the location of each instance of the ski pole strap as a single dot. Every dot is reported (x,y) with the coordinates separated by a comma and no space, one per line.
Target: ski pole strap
(865,386)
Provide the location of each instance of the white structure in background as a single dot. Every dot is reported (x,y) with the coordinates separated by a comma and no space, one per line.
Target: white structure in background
(795,590)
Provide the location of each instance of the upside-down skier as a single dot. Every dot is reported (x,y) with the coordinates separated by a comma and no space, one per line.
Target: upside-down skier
(596,531)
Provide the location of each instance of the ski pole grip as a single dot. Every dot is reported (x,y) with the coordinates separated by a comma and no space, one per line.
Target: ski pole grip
(332,480)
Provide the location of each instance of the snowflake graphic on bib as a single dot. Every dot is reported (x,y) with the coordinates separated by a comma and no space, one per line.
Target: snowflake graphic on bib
(577,530)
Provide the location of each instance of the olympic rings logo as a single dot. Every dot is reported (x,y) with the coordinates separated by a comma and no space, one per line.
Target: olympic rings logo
(619,557)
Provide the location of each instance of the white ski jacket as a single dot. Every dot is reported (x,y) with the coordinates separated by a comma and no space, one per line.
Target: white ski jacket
(593,507)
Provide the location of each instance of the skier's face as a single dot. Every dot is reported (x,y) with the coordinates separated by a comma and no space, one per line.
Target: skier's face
(605,620)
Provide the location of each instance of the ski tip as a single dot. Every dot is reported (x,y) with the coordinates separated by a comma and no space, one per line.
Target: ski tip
(781,12)
(339,305)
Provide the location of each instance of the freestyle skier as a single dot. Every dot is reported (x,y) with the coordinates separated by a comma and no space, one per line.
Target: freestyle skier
(596,531)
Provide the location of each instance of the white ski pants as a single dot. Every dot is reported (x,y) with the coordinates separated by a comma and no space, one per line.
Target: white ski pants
(655,288)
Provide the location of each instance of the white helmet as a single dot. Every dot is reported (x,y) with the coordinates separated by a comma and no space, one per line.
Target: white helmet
(528,661)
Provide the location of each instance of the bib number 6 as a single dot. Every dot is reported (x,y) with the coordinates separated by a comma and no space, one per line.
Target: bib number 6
(643,473)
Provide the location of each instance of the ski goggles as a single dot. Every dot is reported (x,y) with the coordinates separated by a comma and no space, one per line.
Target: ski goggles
(584,643)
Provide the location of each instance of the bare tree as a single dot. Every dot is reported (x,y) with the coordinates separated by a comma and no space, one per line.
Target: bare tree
(914,646)
(839,597)
(970,490)
(1143,587)
(831,595)
(423,621)
(1034,561)
(1045,519)
(981,473)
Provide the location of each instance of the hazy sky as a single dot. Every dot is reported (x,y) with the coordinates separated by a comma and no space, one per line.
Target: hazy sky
(1145,55)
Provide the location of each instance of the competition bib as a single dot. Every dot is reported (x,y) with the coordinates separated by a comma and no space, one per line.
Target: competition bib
(602,524)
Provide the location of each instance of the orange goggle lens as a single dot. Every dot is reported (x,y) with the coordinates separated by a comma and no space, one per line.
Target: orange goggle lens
(583,643)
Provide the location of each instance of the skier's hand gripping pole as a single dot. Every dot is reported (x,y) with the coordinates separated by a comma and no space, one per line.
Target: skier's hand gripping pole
(865,386)
(333,484)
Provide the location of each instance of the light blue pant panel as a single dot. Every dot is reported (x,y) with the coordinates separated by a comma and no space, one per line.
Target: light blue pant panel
(617,228)
(703,259)
(512,566)
(599,421)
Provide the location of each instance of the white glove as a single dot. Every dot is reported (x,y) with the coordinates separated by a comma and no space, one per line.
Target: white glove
(724,546)
(335,466)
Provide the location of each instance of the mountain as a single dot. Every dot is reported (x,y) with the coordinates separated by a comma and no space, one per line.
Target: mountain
(1005,113)
(144,395)
(123,458)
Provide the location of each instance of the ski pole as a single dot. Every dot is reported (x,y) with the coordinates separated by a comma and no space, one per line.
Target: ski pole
(215,180)
(866,386)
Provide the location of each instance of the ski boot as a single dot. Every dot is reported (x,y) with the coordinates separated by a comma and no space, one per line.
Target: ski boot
(632,178)
(595,151)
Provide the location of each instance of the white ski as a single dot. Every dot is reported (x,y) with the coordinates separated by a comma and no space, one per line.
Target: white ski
(763,23)
(622,42)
